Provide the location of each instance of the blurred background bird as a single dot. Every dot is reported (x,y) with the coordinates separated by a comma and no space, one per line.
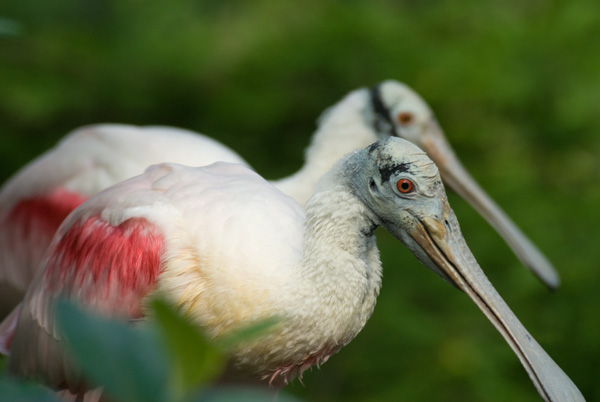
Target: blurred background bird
(515,87)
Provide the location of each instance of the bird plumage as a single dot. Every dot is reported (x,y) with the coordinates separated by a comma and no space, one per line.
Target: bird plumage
(227,248)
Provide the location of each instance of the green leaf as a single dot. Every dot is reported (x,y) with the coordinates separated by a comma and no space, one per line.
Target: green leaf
(245,394)
(254,330)
(16,391)
(126,360)
(3,361)
(196,361)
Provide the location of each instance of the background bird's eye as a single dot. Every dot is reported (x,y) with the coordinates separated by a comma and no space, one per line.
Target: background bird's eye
(405,117)
(405,186)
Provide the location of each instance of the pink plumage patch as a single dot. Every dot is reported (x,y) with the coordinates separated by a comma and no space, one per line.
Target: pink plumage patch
(110,267)
(42,214)
(27,230)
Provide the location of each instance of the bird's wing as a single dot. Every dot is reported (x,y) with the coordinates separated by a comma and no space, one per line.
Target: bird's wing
(35,201)
(195,234)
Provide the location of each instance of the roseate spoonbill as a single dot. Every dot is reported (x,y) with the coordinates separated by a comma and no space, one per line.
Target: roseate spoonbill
(227,248)
(39,197)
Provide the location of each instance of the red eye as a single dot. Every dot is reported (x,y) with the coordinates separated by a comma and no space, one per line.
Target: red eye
(405,186)
(405,117)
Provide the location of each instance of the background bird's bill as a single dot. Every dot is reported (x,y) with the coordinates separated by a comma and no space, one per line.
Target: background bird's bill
(444,244)
(456,177)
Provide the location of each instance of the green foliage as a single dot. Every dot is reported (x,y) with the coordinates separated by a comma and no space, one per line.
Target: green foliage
(515,85)
(241,395)
(9,27)
(16,391)
(195,361)
(126,360)
(250,332)
(165,359)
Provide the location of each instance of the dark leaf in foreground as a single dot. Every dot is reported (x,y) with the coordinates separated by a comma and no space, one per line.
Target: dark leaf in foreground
(196,361)
(127,360)
(15,391)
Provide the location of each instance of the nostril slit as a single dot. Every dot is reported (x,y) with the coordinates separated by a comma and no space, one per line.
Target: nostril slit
(446,222)
(372,184)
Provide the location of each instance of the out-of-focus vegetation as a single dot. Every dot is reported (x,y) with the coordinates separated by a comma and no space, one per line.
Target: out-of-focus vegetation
(163,359)
(515,85)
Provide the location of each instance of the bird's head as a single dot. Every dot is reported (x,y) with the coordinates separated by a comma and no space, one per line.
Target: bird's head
(401,185)
(398,111)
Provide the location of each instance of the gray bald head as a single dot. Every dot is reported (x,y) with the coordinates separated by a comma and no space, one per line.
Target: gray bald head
(395,168)
(401,185)
(395,155)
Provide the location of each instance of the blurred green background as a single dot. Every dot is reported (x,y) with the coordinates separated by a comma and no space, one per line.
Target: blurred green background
(515,85)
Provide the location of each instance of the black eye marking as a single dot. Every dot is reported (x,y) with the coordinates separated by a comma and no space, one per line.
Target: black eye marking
(373,147)
(383,120)
(387,171)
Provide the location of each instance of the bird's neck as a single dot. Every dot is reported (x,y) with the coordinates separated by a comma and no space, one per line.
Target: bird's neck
(330,291)
(339,278)
(342,129)
(341,258)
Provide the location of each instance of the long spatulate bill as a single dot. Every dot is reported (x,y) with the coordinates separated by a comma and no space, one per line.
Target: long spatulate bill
(449,253)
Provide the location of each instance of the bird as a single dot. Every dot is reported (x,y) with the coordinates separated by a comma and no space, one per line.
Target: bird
(227,248)
(38,197)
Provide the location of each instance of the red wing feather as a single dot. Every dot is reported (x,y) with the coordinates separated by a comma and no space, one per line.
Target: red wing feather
(104,268)
(112,267)
(27,231)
